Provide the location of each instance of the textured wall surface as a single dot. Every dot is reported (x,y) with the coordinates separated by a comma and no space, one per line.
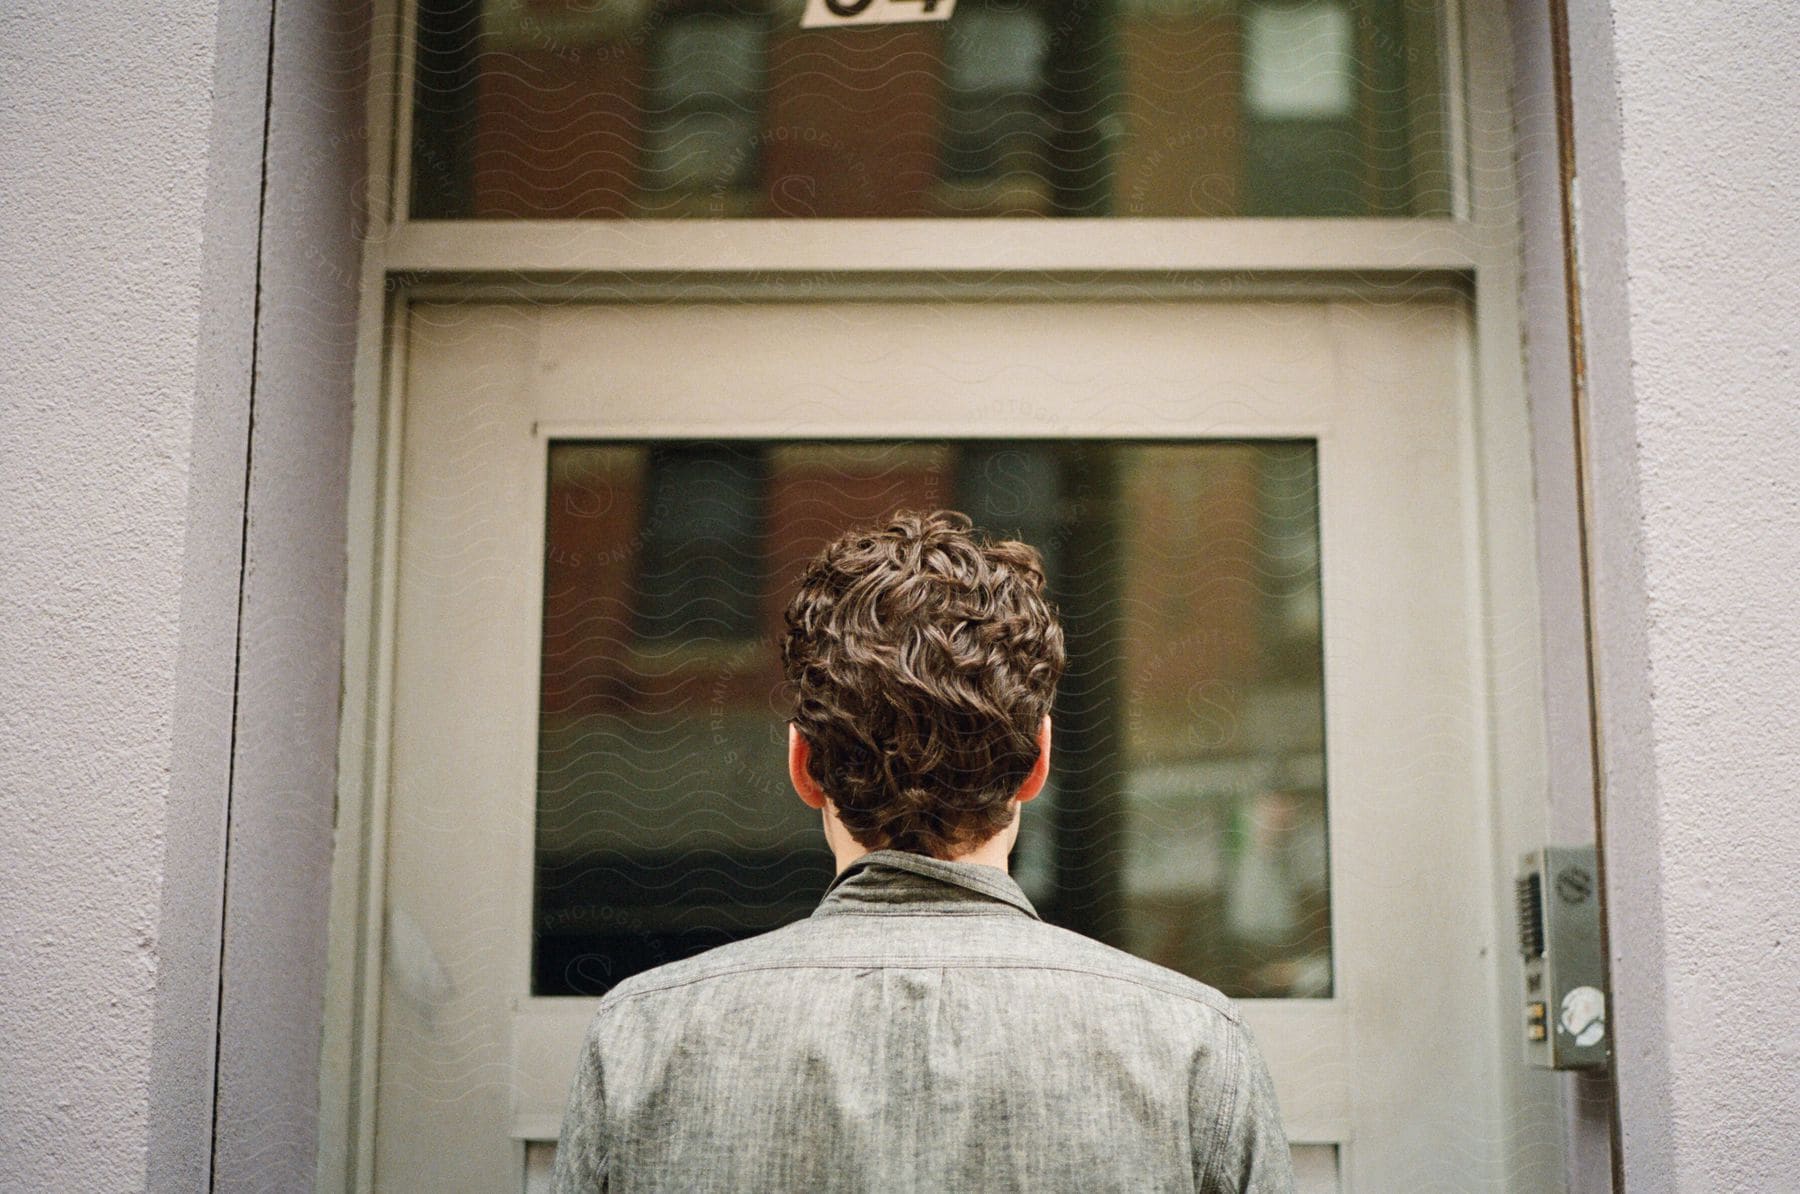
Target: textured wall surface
(112,640)
(284,771)
(1691,253)
(177,392)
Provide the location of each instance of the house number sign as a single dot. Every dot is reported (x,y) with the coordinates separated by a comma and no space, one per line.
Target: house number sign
(824,13)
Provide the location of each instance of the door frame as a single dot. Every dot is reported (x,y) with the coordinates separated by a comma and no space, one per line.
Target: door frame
(761,260)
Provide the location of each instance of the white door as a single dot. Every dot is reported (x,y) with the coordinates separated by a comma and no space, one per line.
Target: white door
(1275,773)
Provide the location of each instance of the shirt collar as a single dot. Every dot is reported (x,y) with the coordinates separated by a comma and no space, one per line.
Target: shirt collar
(881,879)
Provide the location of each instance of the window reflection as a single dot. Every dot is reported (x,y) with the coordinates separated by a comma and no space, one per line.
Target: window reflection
(1186,815)
(699,575)
(721,108)
(999,131)
(703,106)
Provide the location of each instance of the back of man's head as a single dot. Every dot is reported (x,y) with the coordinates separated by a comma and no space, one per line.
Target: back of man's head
(922,658)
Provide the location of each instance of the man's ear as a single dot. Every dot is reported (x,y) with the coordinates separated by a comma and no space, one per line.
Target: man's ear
(799,754)
(1040,770)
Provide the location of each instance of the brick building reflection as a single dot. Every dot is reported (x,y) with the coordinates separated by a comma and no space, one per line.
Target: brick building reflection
(1186,817)
(596,109)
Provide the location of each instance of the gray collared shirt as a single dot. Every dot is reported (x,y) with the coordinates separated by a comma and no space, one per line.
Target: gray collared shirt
(923,1030)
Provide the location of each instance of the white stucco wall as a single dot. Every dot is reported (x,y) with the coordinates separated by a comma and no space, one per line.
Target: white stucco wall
(119,577)
(1691,249)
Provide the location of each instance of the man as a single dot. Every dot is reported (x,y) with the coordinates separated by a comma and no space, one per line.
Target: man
(923,1029)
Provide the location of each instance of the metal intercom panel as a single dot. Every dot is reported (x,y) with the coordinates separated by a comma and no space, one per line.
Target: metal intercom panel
(1565,1013)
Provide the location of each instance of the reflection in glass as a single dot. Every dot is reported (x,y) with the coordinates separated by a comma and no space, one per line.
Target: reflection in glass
(1186,815)
(726,108)
(705,80)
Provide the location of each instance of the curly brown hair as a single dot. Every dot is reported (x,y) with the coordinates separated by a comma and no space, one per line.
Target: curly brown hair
(922,657)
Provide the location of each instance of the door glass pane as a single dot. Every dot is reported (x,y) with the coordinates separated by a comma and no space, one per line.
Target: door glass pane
(602,109)
(1185,819)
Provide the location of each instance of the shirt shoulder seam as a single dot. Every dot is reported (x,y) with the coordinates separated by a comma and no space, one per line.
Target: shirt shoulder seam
(1007,913)
(1226,1115)
(1223,1008)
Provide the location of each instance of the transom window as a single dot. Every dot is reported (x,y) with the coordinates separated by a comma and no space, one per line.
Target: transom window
(603,109)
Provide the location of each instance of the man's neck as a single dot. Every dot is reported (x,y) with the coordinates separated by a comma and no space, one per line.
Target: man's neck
(993,852)
(846,849)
